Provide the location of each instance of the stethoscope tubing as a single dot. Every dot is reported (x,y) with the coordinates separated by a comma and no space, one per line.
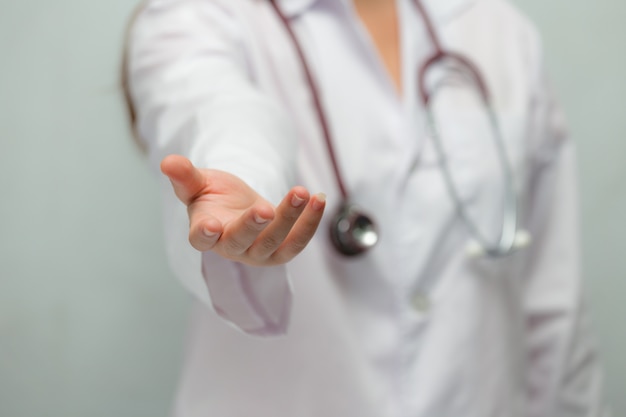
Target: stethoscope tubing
(317,104)
(507,241)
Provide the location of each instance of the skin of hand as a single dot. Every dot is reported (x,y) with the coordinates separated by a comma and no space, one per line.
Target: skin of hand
(230,218)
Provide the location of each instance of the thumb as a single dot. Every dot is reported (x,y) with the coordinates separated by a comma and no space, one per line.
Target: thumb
(186,179)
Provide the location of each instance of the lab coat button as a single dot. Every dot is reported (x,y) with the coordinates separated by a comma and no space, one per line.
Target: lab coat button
(421,303)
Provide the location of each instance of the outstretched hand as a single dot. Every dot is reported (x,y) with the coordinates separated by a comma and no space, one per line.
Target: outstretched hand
(230,218)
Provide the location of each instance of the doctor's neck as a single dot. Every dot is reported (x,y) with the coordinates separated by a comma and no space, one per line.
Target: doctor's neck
(380,17)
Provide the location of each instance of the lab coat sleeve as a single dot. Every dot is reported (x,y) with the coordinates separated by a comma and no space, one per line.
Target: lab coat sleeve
(564,377)
(194,94)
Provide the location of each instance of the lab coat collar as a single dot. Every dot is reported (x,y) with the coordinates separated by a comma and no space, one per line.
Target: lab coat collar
(440,10)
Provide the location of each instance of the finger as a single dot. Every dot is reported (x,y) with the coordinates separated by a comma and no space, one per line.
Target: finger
(186,179)
(239,234)
(302,231)
(287,214)
(204,231)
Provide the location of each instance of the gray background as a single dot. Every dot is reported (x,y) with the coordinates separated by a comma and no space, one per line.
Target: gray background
(91,321)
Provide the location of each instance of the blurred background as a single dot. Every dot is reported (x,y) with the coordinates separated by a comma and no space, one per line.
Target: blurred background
(91,321)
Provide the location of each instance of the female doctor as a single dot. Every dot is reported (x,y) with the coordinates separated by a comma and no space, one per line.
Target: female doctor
(443,279)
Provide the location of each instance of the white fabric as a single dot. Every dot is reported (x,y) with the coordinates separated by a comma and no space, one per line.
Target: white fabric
(415,328)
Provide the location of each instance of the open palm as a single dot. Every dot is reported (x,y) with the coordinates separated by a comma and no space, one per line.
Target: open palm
(228,217)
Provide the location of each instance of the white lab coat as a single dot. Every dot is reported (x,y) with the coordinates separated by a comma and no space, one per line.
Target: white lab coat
(415,328)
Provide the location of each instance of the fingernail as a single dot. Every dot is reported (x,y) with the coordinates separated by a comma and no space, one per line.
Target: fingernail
(259,219)
(209,234)
(319,201)
(296,201)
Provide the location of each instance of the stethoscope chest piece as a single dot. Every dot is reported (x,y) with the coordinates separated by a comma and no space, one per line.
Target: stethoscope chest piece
(352,231)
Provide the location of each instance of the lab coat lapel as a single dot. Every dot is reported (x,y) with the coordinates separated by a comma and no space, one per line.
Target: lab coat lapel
(439,10)
(292,8)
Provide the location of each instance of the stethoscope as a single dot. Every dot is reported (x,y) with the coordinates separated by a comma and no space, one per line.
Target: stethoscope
(352,230)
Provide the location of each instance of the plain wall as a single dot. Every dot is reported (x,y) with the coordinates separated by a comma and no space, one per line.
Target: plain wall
(91,320)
